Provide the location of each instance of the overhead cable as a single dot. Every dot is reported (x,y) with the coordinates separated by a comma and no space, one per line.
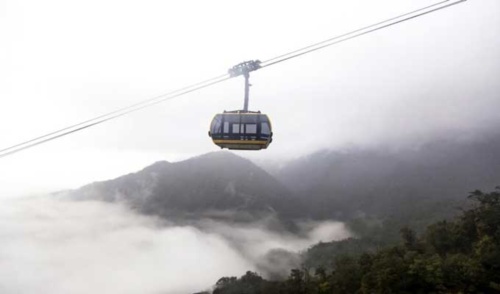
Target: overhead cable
(269,61)
(354,34)
(218,79)
(109,116)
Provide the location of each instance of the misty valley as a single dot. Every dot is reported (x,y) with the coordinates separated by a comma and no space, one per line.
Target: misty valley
(330,222)
(264,147)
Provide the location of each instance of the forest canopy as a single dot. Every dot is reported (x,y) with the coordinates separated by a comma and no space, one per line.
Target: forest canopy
(457,256)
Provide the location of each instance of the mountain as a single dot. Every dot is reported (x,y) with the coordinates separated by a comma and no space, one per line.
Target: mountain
(420,184)
(216,184)
(432,178)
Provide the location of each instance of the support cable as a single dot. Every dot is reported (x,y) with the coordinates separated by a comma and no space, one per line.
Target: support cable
(233,72)
(103,116)
(351,32)
(352,35)
(82,126)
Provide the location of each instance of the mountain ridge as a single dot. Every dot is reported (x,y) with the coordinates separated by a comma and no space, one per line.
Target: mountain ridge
(217,181)
(323,185)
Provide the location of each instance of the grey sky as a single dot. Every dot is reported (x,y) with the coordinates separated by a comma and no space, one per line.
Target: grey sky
(65,61)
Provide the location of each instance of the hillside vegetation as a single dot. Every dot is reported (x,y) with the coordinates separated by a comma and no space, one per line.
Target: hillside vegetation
(458,256)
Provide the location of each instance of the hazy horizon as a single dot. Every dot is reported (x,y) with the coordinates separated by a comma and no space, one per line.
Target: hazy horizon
(403,86)
(386,131)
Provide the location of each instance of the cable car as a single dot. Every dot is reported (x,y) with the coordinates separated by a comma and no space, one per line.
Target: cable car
(241,130)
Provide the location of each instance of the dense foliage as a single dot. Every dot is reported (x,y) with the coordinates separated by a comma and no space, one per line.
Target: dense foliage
(460,256)
(380,231)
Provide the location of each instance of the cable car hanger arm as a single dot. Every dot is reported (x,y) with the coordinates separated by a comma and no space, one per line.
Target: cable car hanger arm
(244,69)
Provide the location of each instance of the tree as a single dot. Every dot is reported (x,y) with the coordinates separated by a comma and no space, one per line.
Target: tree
(458,256)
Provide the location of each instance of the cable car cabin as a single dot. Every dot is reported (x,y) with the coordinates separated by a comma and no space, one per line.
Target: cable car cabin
(241,130)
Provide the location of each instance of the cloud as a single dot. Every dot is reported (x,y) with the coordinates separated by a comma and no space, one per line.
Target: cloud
(59,246)
(274,253)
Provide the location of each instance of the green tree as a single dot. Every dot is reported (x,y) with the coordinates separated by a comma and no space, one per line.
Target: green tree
(459,256)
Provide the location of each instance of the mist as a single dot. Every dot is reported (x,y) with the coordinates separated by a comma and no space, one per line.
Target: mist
(60,246)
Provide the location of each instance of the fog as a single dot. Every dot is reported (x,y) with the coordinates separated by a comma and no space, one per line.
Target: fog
(60,246)
(403,87)
(399,87)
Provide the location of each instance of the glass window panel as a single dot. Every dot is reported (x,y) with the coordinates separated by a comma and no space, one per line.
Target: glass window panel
(226,127)
(236,128)
(251,129)
(265,129)
(232,118)
(216,125)
(249,118)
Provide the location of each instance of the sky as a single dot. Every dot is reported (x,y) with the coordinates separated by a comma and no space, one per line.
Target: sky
(63,62)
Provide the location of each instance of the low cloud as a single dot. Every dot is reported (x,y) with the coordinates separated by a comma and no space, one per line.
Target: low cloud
(60,246)
(274,252)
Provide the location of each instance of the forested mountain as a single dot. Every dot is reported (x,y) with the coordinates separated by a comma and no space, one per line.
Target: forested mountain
(459,256)
(420,185)
(402,183)
(378,193)
(210,184)
(375,192)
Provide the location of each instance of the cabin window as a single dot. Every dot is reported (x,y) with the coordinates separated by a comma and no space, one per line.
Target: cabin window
(251,129)
(216,126)
(236,129)
(226,127)
(265,129)
(249,118)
